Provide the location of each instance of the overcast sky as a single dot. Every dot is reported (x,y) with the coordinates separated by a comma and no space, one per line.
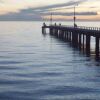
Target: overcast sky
(41,9)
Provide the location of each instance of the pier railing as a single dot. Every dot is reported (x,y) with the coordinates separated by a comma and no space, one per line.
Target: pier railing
(80,27)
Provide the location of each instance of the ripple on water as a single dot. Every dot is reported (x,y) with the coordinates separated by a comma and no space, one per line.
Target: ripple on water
(34,67)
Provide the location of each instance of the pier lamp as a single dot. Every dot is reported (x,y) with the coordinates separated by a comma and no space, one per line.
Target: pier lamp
(51,19)
(75,25)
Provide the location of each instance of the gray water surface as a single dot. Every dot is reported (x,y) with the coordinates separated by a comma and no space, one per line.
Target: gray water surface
(37,67)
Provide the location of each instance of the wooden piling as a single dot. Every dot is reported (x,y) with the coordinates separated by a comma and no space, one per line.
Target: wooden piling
(88,45)
(97,47)
(83,44)
(80,41)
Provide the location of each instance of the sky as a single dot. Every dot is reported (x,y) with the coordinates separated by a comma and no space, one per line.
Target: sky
(41,9)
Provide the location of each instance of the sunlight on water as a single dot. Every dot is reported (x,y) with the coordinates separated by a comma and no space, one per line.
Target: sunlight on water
(37,67)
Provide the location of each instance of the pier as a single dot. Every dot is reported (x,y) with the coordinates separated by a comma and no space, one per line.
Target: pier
(79,37)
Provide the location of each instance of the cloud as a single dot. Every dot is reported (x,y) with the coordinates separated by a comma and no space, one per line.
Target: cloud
(71,13)
(21,17)
(37,12)
(47,8)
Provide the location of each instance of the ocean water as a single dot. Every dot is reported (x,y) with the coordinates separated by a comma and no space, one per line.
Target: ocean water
(38,67)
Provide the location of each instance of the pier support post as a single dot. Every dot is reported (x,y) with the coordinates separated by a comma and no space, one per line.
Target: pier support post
(43,30)
(79,41)
(67,35)
(88,45)
(83,42)
(75,39)
(61,34)
(56,34)
(51,31)
(97,48)
(64,35)
(70,36)
(72,39)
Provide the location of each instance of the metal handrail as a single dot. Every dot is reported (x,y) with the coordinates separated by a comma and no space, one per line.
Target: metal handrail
(81,27)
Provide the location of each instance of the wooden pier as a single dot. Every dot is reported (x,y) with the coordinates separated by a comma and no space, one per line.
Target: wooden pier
(79,37)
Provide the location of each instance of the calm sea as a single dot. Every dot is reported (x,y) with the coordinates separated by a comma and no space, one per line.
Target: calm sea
(37,67)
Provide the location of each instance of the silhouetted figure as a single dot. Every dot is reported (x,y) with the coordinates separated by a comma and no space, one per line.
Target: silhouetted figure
(55,24)
(44,24)
(59,24)
(75,25)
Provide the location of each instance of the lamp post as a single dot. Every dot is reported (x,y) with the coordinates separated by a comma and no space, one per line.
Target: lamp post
(74,16)
(75,25)
(51,19)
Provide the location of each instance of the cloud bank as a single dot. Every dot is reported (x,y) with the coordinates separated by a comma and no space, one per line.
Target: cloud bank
(37,13)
